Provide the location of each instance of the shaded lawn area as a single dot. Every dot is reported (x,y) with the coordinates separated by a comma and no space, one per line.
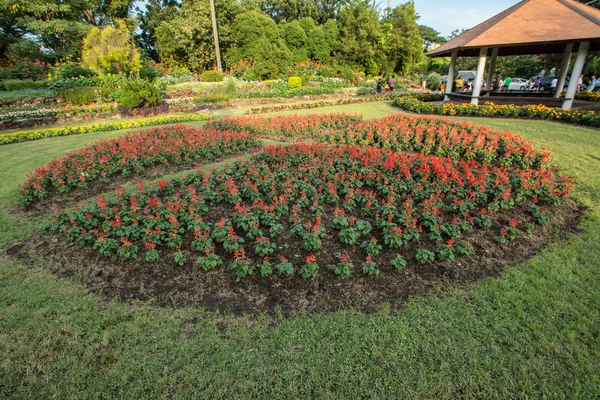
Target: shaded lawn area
(533,332)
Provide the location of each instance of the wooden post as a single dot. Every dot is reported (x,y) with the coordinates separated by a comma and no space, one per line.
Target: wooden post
(215,34)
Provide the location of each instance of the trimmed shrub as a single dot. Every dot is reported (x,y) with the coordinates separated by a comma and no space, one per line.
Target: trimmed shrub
(211,76)
(79,96)
(11,85)
(139,93)
(295,82)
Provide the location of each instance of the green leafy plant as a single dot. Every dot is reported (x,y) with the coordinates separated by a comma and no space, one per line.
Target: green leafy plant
(137,93)
(309,270)
(424,256)
(369,267)
(295,82)
(211,76)
(285,268)
(344,268)
(398,262)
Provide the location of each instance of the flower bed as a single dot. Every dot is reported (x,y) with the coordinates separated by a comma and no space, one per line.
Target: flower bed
(589,118)
(442,137)
(588,96)
(286,125)
(23,136)
(129,154)
(338,102)
(306,210)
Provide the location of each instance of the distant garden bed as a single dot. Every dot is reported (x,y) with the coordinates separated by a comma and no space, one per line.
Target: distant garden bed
(489,109)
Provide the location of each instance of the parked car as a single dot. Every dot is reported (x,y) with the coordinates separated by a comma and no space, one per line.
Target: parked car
(546,83)
(518,84)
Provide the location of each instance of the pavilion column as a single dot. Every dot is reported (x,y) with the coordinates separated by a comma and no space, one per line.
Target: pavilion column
(489,84)
(564,67)
(577,69)
(479,76)
(450,80)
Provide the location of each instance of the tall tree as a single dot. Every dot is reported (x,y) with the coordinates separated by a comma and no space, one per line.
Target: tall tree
(257,39)
(287,10)
(110,50)
(430,36)
(295,39)
(187,38)
(404,47)
(155,13)
(359,32)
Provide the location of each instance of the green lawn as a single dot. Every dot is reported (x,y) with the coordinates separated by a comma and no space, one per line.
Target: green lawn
(534,332)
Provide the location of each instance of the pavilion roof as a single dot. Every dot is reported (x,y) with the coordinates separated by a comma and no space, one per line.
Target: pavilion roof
(530,27)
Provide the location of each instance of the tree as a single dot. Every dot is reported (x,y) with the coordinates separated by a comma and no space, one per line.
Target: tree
(155,13)
(430,36)
(257,39)
(359,31)
(288,10)
(186,39)
(110,50)
(404,48)
(295,39)
(57,26)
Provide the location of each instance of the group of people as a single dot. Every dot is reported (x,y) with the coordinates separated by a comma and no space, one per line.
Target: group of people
(391,82)
(535,85)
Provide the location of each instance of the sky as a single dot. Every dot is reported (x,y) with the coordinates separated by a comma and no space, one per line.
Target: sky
(447,15)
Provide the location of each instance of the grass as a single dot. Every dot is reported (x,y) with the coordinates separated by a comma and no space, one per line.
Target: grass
(534,332)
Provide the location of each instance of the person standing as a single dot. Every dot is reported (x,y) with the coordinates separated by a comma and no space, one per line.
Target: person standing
(379,86)
(579,83)
(536,84)
(498,83)
(507,82)
(392,83)
(553,85)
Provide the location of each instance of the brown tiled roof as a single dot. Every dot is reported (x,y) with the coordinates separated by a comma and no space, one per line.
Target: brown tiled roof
(530,27)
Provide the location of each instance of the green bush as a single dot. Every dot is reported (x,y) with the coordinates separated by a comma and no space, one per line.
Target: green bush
(11,85)
(79,96)
(23,69)
(211,76)
(295,82)
(139,93)
(70,70)
(433,82)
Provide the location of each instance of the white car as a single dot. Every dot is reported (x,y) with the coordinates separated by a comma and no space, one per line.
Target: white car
(518,84)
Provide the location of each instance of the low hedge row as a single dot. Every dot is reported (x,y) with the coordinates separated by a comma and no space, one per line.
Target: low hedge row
(587,118)
(23,136)
(339,102)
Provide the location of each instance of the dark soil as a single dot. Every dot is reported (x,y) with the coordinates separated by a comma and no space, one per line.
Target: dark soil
(170,285)
(64,200)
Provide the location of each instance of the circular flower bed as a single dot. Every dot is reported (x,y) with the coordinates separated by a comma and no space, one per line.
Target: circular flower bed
(402,198)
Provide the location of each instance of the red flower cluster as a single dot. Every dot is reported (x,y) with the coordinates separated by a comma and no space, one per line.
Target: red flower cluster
(130,153)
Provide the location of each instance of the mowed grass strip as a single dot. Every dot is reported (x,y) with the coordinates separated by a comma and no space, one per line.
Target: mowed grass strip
(533,332)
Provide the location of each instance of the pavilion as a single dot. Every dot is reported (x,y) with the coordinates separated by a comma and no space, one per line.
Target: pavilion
(529,27)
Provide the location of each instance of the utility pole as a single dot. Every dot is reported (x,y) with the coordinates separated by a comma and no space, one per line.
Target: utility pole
(215,34)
